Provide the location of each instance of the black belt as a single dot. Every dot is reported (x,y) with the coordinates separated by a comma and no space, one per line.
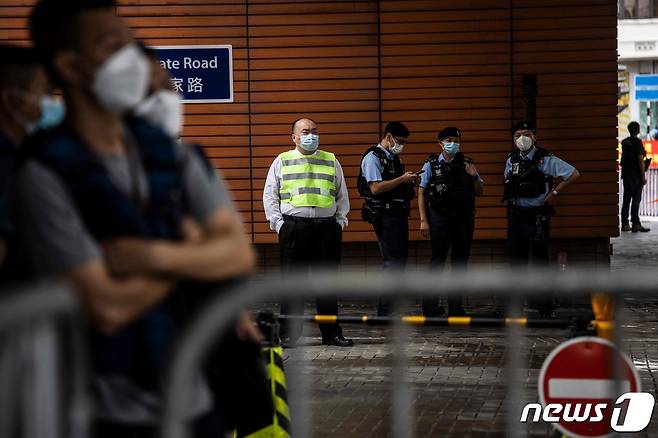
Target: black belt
(309,220)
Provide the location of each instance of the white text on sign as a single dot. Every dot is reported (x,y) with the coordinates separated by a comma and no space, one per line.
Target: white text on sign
(189,63)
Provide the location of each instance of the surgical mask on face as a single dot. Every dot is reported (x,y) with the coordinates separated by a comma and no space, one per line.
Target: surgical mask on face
(122,81)
(52,109)
(309,142)
(451,148)
(397,148)
(524,143)
(164,109)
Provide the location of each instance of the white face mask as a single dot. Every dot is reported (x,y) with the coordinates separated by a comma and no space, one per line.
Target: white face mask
(524,143)
(122,81)
(397,148)
(163,109)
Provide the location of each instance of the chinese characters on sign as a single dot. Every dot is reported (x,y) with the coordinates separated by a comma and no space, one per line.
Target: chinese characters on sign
(202,74)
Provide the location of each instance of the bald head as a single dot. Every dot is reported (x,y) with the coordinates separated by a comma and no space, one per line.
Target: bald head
(303,127)
(301,124)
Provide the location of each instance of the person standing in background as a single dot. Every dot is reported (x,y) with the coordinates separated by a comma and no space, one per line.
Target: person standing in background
(633,174)
(387,190)
(446,202)
(306,203)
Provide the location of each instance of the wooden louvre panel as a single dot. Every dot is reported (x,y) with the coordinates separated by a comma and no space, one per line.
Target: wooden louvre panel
(353,65)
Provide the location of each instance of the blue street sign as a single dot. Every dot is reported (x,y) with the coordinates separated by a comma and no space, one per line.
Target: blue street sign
(646,87)
(202,74)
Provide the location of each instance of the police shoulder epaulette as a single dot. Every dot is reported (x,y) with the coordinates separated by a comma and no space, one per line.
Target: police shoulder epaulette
(376,150)
(432,157)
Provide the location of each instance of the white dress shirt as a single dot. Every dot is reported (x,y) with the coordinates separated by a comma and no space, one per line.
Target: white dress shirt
(275,208)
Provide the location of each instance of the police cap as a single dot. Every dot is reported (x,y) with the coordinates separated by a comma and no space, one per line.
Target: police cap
(521,126)
(450,131)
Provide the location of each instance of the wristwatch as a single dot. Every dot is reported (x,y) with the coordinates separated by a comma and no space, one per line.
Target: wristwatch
(555,192)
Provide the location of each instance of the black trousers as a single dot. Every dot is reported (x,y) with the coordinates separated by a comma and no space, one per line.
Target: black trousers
(528,238)
(305,244)
(632,198)
(449,231)
(392,231)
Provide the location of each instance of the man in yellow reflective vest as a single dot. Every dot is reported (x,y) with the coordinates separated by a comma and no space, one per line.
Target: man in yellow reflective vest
(306,203)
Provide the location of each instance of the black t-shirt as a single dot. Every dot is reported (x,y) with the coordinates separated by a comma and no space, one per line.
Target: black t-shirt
(631,149)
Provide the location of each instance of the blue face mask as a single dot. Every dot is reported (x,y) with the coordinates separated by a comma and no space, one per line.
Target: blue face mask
(310,142)
(451,148)
(52,114)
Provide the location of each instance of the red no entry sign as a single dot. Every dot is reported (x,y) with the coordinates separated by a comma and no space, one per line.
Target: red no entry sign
(579,377)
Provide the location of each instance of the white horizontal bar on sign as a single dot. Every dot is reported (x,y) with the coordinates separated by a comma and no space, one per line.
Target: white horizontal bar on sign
(587,388)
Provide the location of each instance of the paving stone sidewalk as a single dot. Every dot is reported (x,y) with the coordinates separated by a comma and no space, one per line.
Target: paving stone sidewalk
(455,377)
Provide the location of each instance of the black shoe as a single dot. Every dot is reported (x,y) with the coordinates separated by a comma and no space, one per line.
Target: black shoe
(338,341)
(288,342)
(638,227)
(456,311)
(625,227)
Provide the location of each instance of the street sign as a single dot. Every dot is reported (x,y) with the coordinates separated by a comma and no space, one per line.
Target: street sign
(581,373)
(646,87)
(202,74)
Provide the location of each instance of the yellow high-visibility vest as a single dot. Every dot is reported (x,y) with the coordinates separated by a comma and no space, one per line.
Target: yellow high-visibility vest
(308,180)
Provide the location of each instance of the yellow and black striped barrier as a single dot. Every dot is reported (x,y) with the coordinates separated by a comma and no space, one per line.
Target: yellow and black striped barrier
(444,321)
(277,378)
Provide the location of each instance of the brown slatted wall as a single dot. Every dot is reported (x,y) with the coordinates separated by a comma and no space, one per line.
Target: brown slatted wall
(434,63)
(13,21)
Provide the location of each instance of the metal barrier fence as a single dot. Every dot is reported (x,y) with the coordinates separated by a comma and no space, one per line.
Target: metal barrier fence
(32,395)
(215,319)
(649,204)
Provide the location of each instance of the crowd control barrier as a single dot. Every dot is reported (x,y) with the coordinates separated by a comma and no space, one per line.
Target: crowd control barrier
(214,321)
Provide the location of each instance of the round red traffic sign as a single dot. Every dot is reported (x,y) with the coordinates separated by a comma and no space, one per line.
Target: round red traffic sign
(582,378)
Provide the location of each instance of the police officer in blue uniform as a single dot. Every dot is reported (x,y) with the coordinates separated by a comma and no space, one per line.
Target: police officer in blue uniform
(534,179)
(446,202)
(388,190)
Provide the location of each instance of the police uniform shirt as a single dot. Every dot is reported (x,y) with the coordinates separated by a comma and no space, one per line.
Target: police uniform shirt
(275,209)
(371,166)
(426,176)
(550,165)
(59,241)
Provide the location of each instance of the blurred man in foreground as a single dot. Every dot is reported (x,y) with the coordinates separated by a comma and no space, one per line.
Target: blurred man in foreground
(118,207)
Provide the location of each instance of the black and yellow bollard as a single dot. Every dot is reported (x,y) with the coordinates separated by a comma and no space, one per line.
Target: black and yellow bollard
(273,354)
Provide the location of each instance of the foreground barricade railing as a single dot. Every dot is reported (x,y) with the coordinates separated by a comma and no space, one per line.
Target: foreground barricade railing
(215,320)
(43,364)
